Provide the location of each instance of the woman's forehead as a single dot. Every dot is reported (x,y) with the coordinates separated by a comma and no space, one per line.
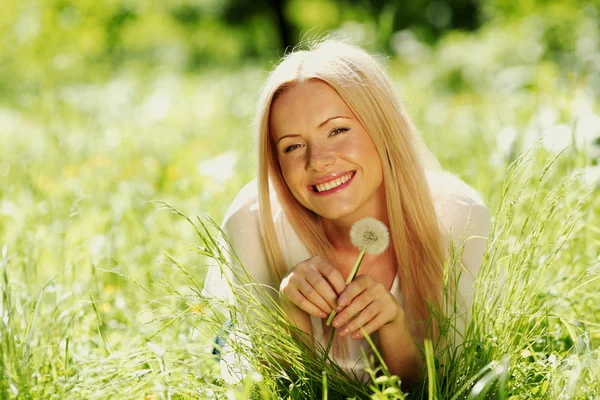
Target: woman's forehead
(306,105)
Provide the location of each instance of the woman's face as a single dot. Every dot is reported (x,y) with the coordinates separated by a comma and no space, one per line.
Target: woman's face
(328,159)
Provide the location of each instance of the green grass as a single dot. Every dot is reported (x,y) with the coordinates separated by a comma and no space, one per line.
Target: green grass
(101,293)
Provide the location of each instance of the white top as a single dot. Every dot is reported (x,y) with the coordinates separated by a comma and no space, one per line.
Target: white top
(461,214)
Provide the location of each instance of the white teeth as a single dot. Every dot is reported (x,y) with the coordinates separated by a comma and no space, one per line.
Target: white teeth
(333,184)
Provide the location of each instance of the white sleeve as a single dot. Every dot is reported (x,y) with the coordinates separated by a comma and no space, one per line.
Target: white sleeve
(241,226)
(466,221)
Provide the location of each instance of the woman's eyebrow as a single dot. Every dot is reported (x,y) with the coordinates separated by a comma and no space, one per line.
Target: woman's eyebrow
(286,136)
(329,119)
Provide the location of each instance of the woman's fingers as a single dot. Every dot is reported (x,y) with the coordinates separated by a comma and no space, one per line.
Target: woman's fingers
(370,327)
(313,285)
(354,288)
(323,288)
(358,304)
(364,303)
(366,315)
(371,319)
(327,270)
(313,295)
(294,296)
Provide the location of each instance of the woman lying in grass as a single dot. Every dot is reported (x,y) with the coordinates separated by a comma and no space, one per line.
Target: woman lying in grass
(335,145)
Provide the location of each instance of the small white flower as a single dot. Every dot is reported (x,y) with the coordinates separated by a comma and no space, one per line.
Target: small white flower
(159,351)
(557,137)
(370,235)
(220,168)
(591,175)
(505,140)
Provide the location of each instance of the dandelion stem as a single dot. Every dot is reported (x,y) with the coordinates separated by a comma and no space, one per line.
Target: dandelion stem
(350,279)
(331,336)
(355,268)
(324,385)
(333,312)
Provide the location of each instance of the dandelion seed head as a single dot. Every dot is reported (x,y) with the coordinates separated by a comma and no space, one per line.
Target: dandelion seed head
(370,235)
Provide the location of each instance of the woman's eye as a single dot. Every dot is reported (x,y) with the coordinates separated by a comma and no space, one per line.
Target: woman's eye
(290,148)
(338,130)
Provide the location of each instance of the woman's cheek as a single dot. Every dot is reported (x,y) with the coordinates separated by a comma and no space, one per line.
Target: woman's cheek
(293,176)
(348,148)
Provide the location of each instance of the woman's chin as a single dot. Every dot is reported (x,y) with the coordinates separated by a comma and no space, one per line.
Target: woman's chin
(334,214)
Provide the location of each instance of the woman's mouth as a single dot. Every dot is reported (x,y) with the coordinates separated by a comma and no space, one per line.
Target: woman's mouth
(333,186)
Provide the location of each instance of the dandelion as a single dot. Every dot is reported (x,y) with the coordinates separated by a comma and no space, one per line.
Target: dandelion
(369,235)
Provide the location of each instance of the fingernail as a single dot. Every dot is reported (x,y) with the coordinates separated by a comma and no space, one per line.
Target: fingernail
(336,323)
(344,332)
(322,315)
(356,336)
(339,308)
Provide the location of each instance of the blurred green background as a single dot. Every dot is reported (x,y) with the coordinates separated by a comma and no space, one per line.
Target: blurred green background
(107,105)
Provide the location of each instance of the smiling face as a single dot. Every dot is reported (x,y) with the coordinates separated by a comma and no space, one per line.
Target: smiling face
(327,158)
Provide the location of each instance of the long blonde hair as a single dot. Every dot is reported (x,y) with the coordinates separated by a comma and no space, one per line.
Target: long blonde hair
(414,230)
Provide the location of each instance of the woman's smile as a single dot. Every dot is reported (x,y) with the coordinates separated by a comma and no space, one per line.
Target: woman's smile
(332,183)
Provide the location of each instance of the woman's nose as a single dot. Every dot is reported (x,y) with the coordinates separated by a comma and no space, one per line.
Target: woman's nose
(319,158)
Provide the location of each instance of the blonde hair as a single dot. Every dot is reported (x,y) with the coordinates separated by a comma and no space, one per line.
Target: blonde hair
(414,230)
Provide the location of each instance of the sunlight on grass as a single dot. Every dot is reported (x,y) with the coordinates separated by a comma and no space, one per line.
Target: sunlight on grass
(101,289)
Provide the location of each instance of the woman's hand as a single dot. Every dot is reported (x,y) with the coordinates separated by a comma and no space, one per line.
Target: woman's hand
(370,304)
(313,286)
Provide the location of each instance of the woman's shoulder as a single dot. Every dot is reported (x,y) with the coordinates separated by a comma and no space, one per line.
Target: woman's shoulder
(465,220)
(242,228)
(446,186)
(244,210)
(459,207)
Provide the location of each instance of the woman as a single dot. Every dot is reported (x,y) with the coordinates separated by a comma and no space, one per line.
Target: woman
(335,144)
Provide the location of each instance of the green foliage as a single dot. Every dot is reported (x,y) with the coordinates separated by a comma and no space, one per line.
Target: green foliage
(101,112)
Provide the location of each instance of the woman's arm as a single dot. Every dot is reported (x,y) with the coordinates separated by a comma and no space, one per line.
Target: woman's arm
(399,350)
(467,222)
(300,318)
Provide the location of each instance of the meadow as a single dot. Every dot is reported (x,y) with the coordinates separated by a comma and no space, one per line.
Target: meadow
(100,287)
